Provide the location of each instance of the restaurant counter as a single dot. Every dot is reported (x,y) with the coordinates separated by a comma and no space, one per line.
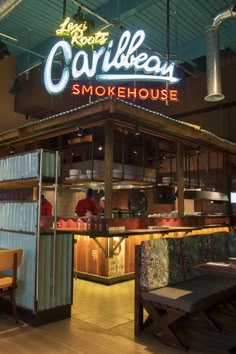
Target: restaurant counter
(108,257)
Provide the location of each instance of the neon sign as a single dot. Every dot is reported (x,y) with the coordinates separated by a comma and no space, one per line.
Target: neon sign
(124,57)
(125,92)
(76,33)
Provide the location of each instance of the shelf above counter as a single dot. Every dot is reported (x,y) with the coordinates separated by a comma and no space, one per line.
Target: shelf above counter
(25,183)
(19,183)
(118,183)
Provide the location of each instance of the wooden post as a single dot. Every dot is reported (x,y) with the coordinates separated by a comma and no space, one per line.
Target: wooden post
(180,177)
(108,165)
(227,183)
(226,175)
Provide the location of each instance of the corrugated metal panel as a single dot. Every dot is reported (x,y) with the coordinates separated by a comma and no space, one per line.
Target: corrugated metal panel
(63,274)
(25,293)
(19,216)
(49,168)
(19,166)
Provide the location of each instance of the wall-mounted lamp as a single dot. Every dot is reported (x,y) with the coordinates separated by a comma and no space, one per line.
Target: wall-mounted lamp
(100,148)
(137,132)
(80,132)
(12,149)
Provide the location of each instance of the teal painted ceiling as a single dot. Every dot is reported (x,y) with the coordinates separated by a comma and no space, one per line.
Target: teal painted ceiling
(33,23)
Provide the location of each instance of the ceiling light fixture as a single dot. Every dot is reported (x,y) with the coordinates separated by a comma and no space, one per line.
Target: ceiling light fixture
(9,37)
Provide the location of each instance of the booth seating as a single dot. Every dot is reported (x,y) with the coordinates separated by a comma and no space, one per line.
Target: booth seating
(9,261)
(169,288)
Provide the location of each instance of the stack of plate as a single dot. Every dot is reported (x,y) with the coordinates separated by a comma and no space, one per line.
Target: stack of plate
(167,180)
(74,174)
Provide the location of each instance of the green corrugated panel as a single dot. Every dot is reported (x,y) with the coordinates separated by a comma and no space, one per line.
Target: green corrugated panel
(25,293)
(63,275)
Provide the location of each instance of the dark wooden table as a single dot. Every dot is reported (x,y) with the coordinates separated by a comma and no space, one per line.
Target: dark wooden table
(227,269)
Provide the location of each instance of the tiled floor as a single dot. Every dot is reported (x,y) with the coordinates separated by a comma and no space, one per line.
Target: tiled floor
(107,307)
(102,323)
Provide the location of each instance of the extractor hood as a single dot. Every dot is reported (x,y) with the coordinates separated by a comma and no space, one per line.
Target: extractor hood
(205,195)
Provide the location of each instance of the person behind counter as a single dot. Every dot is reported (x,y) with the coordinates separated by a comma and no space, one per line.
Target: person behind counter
(87,205)
(46,207)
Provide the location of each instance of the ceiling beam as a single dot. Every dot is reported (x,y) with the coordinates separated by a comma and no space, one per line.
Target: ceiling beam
(124,10)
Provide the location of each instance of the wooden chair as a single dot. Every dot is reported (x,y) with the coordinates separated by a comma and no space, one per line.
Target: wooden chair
(9,261)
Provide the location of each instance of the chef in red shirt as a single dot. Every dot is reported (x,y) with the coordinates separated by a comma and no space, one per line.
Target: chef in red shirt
(46,207)
(87,206)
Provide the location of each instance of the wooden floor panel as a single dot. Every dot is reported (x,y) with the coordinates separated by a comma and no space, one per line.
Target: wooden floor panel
(102,323)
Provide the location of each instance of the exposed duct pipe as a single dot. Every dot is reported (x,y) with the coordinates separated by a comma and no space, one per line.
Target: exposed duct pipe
(6,6)
(213,54)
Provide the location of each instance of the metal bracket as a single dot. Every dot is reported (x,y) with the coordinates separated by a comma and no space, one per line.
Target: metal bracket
(109,251)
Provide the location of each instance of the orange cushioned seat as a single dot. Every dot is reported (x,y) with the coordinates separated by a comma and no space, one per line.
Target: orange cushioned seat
(10,260)
(5,282)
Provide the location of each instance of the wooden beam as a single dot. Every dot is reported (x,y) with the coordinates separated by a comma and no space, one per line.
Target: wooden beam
(108,164)
(87,114)
(94,113)
(80,140)
(180,177)
(172,127)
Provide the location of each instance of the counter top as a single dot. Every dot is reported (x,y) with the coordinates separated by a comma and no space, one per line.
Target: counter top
(133,232)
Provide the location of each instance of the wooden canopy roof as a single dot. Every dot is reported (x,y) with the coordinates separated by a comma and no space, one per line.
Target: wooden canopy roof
(121,112)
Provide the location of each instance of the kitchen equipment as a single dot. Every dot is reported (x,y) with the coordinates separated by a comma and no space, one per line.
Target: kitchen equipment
(125,213)
(116,212)
(163,195)
(74,172)
(83,176)
(137,202)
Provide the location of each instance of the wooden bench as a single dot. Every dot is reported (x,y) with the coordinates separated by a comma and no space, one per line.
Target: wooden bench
(169,288)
